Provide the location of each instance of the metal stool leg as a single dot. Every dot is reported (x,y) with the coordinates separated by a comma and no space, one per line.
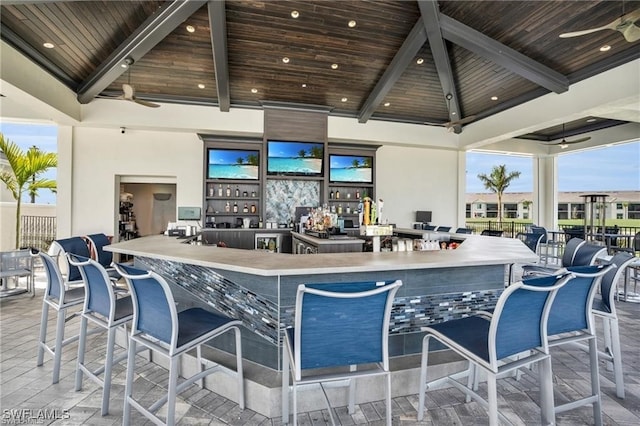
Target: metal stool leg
(172,390)
(285,386)
(108,365)
(81,349)
(57,355)
(617,357)
(128,387)
(42,340)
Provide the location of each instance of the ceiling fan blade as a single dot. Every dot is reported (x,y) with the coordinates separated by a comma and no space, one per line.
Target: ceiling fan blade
(631,33)
(145,103)
(584,32)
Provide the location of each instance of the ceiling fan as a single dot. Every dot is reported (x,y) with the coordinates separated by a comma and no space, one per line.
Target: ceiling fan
(129,91)
(624,24)
(564,143)
(450,125)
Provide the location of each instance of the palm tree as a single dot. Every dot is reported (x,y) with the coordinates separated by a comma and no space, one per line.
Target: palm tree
(497,182)
(24,166)
(302,153)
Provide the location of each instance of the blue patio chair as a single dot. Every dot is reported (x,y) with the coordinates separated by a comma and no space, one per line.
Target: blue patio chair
(488,343)
(464,231)
(604,307)
(104,309)
(443,228)
(158,326)
(72,245)
(338,324)
(428,228)
(97,243)
(531,240)
(571,321)
(59,298)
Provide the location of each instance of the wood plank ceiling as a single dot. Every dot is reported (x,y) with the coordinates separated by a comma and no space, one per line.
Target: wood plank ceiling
(398,62)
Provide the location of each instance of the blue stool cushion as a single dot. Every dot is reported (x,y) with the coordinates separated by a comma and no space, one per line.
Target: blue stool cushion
(472,333)
(124,307)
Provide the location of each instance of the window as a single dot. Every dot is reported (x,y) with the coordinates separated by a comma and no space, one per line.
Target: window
(619,216)
(619,207)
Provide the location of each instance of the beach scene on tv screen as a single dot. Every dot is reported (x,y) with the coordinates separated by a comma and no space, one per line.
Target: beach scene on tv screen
(233,164)
(295,157)
(348,168)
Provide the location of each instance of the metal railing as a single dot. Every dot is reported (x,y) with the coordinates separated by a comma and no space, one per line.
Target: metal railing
(37,231)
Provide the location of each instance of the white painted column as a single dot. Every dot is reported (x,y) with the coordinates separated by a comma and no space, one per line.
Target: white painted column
(545,191)
(461,208)
(64,197)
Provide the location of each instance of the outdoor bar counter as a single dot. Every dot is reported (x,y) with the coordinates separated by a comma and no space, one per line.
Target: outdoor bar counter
(259,287)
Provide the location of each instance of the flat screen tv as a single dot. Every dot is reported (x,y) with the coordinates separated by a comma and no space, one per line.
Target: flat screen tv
(350,168)
(240,164)
(189,213)
(423,216)
(295,158)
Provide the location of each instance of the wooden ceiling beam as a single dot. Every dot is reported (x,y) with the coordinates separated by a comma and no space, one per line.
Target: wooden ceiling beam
(152,31)
(409,49)
(431,19)
(218,30)
(488,48)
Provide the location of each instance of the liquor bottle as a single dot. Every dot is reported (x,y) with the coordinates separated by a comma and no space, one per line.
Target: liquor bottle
(358,194)
(235,207)
(260,222)
(339,208)
(331,195)
(348,209)
(219,190)
(228,191)
(211,191)
(337,194)
(245,209)
(227,207)
(253,208)
(237,191)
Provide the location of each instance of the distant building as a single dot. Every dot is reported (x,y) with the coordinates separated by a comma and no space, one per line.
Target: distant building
(517,205)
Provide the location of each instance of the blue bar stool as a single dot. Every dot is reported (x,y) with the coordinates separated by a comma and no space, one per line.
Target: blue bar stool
(104,309)
(59,298)
(97,243)
(159,327)
(339,324)
(489,342)
(59,250)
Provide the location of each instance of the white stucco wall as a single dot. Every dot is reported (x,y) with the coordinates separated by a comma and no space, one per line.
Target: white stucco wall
(102,156)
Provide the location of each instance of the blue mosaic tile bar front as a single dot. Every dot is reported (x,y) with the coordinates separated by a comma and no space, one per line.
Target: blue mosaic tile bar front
(263,317)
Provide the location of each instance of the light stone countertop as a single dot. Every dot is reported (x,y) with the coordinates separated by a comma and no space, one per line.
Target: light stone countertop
(327,241)
(474,251)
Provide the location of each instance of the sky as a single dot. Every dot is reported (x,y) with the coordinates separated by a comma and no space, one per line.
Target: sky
(604,169)
(44,136)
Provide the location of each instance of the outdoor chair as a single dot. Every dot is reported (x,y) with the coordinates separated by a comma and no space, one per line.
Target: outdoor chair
(105,310)
(59,298)
(16,264)
(569,254)
(443,228)
(338,325)
(428,228)
(489,342)
(59,250)
(492,233)
(158,326)
(464,231)
(604,307)
(531,240)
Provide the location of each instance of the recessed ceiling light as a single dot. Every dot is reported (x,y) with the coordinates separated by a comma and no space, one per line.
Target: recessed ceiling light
(304,84)
(295,14)
(605,48)
(419,61)
(254,90)
(334,66)
(344,99)
(352,23)
(494,98)
(591,120)
(201,86)
(191,28)
(285,60)
(48,45)
(453,113)
(387,104)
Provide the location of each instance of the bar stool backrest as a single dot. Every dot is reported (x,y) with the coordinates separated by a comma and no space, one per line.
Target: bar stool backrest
(571,309)
(55,284)
(154,310)
(587,254)
(608,285)
(570,250)
(99,294)
(97,243)
(342,324)
(74,245)
(519,319)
